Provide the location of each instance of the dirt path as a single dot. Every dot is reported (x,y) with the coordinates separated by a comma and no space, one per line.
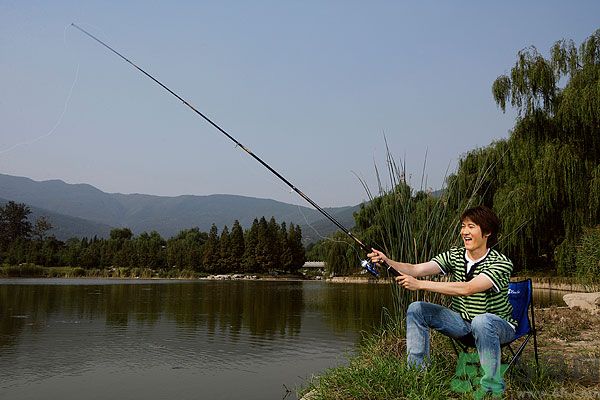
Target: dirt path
(569,343)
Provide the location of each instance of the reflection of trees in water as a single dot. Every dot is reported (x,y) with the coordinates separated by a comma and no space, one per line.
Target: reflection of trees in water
(261,308)
(358,307)
(230,308)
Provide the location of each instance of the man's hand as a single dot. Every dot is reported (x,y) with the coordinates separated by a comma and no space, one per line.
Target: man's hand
(377,257)
(408,282)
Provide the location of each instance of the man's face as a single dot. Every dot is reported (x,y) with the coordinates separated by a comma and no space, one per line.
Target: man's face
(472,236)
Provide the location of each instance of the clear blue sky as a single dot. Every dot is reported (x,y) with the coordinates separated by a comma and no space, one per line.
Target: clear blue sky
(309,86)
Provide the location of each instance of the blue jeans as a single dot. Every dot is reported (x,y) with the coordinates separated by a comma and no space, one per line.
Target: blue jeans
(489,331)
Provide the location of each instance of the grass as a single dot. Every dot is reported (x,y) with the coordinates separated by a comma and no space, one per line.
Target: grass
(569,347)
(36,271)
(379,372)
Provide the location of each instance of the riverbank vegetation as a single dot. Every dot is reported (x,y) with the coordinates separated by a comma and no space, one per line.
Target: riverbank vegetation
(264,247)
(569,369)
(543,181)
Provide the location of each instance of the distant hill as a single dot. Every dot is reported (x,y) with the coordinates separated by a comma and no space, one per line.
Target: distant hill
(85,209)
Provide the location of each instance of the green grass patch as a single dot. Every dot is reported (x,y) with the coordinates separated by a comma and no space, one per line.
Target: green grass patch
(36,271)
(379,371)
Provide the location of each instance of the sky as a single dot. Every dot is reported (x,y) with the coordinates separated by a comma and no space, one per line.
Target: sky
(314,88)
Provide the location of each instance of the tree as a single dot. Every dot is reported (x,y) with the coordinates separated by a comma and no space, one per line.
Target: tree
(186,249)
(340,258)
(238,246)
(210,256)
(544,181)
(13,223)
(294,241)
(287,258)
(250,262)
(225,251)
(41,227)
(150,250)
(120,234)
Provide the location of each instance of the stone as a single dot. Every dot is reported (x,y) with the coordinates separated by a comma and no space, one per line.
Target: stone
(585,301)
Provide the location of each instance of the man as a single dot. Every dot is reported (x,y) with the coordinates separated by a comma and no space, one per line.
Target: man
(479,290)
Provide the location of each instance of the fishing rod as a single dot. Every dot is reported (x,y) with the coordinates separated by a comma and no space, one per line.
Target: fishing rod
(367,264)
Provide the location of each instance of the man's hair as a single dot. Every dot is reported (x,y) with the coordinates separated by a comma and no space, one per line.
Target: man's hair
(487,220)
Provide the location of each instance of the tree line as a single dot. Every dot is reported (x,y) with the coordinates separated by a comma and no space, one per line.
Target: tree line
(264,247)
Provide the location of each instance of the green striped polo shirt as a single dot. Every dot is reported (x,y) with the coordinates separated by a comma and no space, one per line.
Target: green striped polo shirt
(496,266)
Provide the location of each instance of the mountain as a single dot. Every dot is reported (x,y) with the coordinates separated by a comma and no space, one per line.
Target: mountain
(167,215)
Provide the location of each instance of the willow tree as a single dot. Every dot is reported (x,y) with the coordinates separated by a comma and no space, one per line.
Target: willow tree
(545,183)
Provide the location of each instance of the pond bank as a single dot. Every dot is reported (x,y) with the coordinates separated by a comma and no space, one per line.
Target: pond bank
(569,353)
(557,283)
(549,283)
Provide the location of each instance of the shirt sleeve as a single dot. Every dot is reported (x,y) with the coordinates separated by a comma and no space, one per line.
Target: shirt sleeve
(444,261)
(499,273)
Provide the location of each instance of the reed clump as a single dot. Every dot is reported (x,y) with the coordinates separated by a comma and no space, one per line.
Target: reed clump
(414,225)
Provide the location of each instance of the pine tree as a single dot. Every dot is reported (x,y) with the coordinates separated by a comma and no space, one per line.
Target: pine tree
(287,257)
(225,251)
(250,262)
(263,246)
(237,245)
(296,247)
(275,245)
(210,256)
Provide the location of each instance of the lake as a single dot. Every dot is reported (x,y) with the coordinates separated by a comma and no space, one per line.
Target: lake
(136,339)
(101,339)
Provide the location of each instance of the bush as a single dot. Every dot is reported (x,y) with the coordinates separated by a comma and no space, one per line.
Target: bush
(588,256)
(23,271)
(78,272)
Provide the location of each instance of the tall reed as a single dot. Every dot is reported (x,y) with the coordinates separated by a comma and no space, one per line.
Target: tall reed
(415,225)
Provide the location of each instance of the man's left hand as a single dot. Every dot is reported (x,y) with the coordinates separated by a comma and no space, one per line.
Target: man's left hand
(408,282)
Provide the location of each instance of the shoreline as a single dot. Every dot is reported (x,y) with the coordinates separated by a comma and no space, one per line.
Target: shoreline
(17,272)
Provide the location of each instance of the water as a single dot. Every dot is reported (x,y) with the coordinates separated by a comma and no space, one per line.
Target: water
(100,339)
(549,297)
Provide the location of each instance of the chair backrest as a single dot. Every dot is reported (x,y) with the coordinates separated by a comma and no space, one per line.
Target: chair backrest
(520,295)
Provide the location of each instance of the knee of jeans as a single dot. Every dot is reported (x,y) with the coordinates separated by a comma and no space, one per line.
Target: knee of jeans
(415,307)
(481,323)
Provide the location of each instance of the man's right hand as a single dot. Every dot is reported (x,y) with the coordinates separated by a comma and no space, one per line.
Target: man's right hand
(377,257)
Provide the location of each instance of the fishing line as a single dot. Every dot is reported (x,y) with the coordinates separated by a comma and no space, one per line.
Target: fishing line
(366,264)
(61,117)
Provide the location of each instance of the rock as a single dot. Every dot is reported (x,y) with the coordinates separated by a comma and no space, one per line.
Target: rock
(310,395)
(585,301)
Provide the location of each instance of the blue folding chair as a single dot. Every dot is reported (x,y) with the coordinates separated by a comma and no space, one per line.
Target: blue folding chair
(520,295)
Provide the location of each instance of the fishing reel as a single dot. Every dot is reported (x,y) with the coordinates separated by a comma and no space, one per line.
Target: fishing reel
(372,268)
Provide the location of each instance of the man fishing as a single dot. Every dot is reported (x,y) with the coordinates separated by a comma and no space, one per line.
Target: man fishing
(479,290)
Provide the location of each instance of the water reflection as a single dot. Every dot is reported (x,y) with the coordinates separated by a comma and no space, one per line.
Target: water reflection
(260,335)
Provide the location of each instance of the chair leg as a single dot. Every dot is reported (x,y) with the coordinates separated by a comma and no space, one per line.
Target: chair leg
(535,351)
(517,355)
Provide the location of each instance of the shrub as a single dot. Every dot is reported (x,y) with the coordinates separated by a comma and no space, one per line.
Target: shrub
(587,260)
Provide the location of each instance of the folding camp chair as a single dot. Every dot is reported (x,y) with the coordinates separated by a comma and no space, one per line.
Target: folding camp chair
(520,295)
